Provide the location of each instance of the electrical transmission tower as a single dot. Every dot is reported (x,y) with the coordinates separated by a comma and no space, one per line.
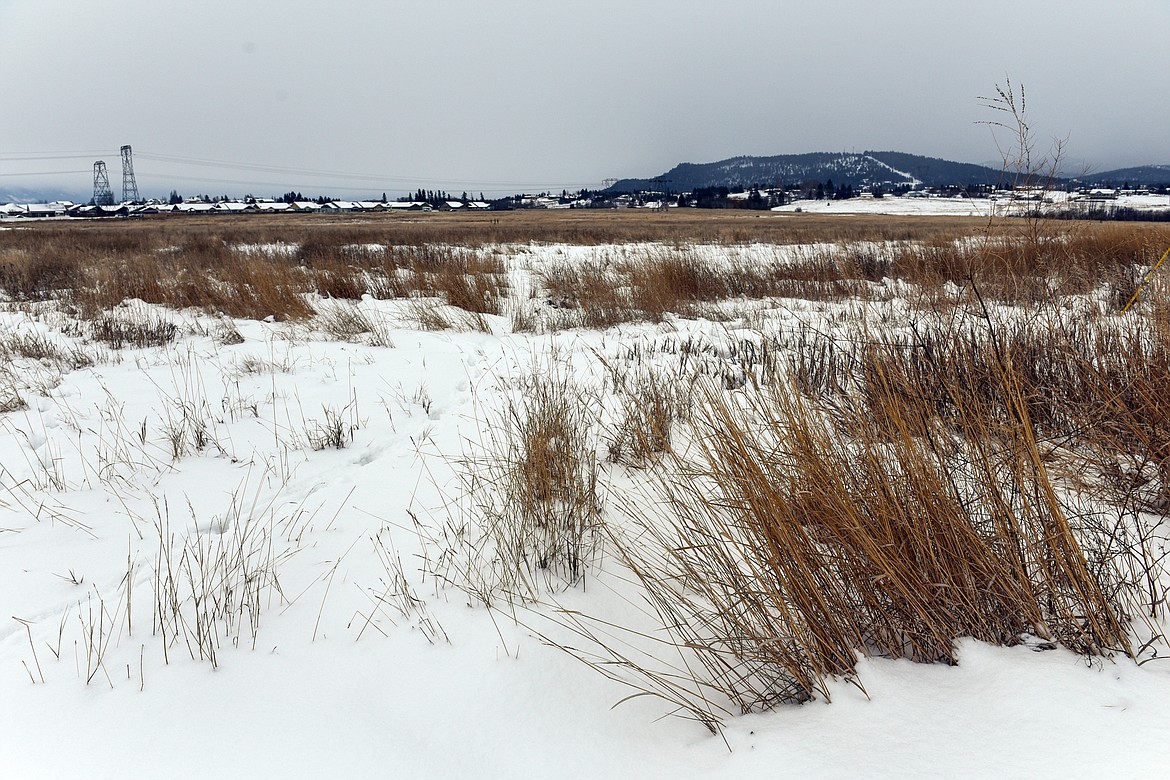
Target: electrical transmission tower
(129,185)
(101,185)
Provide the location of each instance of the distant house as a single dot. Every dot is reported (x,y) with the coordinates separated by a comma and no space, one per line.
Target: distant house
(542,202)
(94,212)
(1101,194)
(335,206)
(304,206)
(43,210)
(234,207)
(405,205)
(192,208)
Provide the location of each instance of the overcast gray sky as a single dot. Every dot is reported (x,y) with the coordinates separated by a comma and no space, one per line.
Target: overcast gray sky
(502,97)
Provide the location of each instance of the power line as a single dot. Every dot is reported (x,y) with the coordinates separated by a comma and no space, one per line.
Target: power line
(242,182)
(316,172)
(47,173)
(151,177)
(377,179)
(23,156)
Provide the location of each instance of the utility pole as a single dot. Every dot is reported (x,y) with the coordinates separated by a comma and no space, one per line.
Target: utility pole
(102,196)
(129,185)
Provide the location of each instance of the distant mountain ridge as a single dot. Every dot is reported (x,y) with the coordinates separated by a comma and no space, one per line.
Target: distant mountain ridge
(37,196)
(1137,176)
(857,169)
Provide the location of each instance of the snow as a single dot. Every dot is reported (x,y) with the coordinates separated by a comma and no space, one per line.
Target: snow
(913,180)
(339,684)
(963,207)
(924,205)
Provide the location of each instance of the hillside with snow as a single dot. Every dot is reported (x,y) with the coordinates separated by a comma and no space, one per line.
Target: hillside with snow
(885,170)
(865,169)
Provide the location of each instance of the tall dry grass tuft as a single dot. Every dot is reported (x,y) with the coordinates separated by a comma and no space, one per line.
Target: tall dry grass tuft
(471,280)
(785,550)
(593,291)
(651,284)
(997,477)
(258,290)
(347,321)
(133,327)
(211,585)
(673,282)
(1087,384)
(11,399)
(37,273)
(652,403)
(532,495)
(1061,259)
(336,268)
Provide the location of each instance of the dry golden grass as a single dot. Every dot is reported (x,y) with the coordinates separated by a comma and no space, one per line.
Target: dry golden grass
(573,226)
(531,499)
(241,270)
(262,266)
(1061,259)
(990,480)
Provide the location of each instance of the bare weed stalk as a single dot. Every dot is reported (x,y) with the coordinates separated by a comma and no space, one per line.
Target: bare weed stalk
(211,586)
(397,595)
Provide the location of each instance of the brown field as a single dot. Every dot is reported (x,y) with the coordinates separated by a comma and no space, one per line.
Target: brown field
(227,264)
(578,226)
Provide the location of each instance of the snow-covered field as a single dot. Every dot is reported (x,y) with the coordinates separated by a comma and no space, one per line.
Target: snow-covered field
(139,492)
(961,207)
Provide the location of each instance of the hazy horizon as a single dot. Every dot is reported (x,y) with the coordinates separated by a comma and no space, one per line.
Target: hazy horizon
(357,99)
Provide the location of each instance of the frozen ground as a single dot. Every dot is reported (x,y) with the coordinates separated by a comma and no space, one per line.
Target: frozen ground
(336,666)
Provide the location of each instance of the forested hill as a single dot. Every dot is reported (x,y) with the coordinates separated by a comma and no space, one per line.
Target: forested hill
(1140,176)
(857,169)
